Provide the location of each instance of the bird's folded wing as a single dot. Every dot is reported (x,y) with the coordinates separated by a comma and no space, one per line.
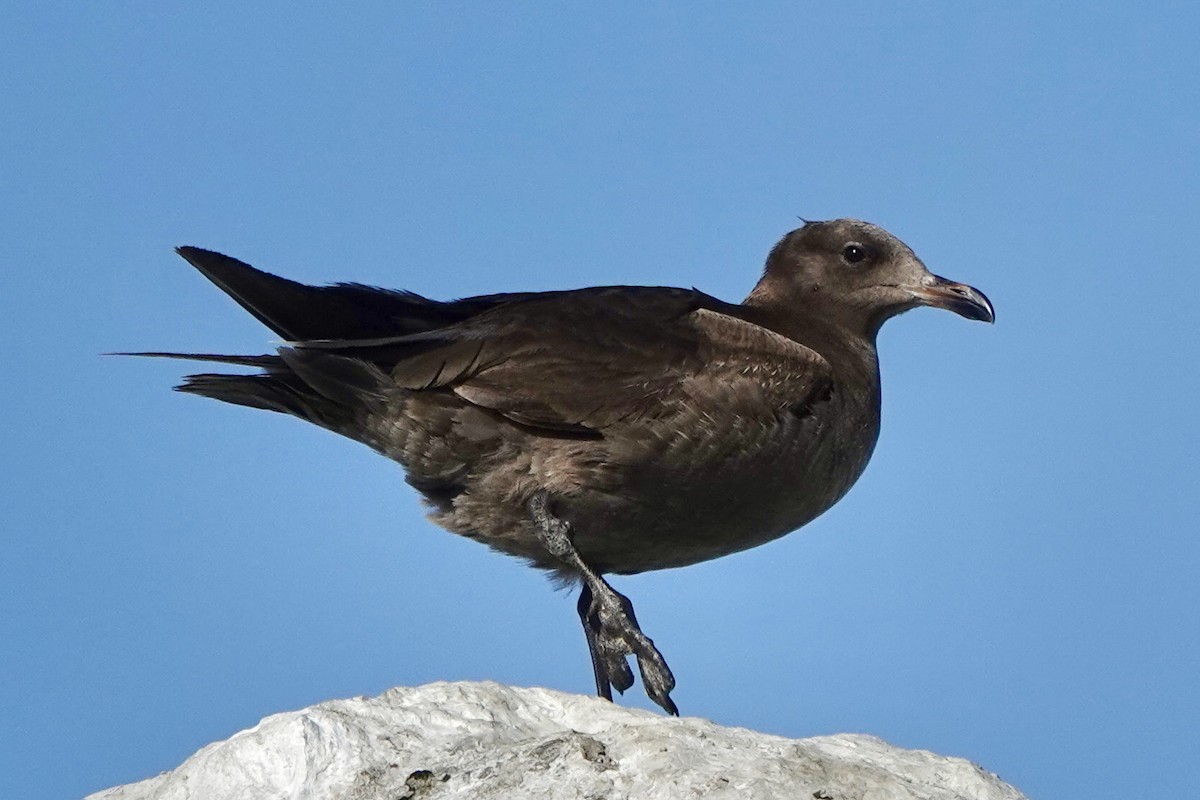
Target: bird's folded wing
(580,362)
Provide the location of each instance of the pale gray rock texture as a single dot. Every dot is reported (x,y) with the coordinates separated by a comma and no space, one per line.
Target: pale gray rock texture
(484,740)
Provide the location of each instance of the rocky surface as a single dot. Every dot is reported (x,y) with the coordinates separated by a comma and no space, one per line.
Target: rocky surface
(484,740)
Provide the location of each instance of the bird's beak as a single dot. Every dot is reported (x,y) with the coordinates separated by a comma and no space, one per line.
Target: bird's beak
(966,301)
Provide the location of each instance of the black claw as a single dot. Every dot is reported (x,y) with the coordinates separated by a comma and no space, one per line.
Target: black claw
(657,677)
(619,673)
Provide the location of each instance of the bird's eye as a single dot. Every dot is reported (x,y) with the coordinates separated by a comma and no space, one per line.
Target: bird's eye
(854,253)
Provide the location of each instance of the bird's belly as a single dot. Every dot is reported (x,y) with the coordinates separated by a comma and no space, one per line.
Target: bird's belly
(701,498)
(647,497)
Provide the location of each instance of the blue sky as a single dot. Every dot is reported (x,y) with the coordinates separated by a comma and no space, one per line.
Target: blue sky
(1014,580)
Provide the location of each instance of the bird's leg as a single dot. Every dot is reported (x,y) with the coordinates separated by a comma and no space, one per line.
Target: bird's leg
(608,620)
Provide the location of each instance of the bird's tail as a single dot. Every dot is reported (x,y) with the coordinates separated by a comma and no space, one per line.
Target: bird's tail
(277,387)
(330,370)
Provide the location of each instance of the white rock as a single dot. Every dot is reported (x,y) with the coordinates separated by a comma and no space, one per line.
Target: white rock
(483,740)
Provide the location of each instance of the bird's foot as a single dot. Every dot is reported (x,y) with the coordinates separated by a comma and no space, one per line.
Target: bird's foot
(614,634)
(611,627)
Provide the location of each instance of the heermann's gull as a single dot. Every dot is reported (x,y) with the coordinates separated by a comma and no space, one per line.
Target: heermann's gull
(614,429)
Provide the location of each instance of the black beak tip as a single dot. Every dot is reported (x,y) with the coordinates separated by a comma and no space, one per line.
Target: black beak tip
(966,301)
(982,310)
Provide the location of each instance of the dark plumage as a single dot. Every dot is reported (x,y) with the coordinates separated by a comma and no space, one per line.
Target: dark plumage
(605,430)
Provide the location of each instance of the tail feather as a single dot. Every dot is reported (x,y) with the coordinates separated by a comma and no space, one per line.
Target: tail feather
(272,392)
(266,362)
(349,382)
(276,388)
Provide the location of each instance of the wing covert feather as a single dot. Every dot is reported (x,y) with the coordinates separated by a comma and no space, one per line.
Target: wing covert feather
(638,366)
(580,362)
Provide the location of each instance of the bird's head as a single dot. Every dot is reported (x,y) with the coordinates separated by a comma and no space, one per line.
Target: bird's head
(858,275)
